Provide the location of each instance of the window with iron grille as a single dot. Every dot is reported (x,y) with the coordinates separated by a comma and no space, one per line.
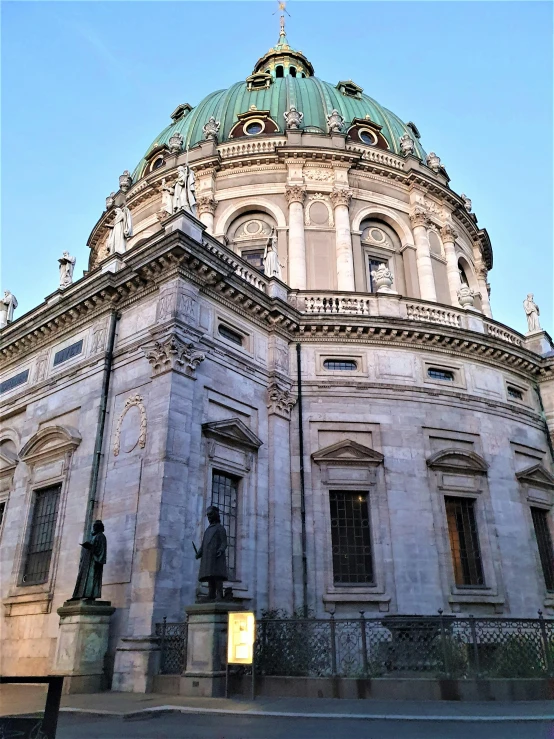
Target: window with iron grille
(340,364)
(351,538)
(440,374)
(224,496)
(14,381)
(70,351)
(229,334)
(41,538)
(513,392)
(464,541)
(544,541)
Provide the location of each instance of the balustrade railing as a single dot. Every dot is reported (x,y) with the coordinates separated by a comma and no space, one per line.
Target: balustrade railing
(391,646)
(259,146)
(434,314)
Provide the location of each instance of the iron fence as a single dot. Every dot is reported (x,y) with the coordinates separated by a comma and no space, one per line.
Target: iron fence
(392,646)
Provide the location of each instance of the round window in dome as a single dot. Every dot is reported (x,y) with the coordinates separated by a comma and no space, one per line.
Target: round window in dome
(368,137)
(158,163)
(254,128)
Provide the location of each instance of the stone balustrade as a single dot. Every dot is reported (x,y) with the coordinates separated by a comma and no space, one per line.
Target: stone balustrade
(378,156)
(435,314)
(503,333)
(260,146)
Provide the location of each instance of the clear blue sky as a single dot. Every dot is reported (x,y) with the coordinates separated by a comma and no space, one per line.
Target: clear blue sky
(86,87)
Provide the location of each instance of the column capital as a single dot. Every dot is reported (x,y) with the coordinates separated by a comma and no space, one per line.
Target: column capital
(341,196)
(173,353)
(419,217)
(280,400)
(295,193)
(206,204)
(448,233)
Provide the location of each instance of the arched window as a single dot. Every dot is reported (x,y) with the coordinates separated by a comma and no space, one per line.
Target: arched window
(279,72)
(463,275)
(292,71)
(435,244)
(248,234)
(379,245)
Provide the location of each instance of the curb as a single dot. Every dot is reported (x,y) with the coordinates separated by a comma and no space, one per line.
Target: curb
(287,714)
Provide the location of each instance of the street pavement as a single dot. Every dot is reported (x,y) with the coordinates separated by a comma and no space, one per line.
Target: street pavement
(117,715)
(214,726)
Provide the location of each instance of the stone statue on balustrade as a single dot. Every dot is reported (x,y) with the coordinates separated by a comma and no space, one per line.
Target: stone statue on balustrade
(272,268)
(7,306)
(335,121)
(121,230)
(184,194)
(67,265)
(211,129)
(213,563)
(467,202)
(407,144)
(93,559)
(532,312)
(293,118)
(167,197)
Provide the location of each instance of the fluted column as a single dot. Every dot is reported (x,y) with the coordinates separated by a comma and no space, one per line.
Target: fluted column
(419,221)
(205,208)
(345,261)
(297,242)
(449,235)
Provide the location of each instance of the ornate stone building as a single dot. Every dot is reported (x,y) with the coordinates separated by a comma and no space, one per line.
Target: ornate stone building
(374,439)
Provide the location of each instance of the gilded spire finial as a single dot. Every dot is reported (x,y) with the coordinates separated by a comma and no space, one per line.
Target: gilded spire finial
(282,10)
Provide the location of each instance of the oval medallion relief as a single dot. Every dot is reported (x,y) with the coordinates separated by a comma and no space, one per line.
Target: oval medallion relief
(131,426)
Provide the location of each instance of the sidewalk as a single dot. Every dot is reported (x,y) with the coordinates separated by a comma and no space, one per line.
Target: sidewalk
(29,699)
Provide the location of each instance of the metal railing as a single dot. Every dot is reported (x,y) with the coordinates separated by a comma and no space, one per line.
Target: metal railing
(392,646)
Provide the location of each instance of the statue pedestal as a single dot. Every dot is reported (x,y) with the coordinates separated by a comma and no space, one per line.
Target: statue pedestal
(538,341)
(82,645)
(204,674)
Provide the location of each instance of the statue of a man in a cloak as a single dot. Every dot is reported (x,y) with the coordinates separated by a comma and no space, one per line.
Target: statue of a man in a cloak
(121,230)
(272,268)
(93,559)
(213,565)
(184,194)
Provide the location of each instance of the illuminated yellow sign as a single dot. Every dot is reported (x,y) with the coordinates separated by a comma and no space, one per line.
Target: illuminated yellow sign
(240,638)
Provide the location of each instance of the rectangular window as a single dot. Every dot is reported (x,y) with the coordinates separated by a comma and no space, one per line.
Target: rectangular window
(14,381)
(41,539)
(224,496)
(70,351)
(2,512)
(351,538)
(544,541)
(374,265)
(464,542)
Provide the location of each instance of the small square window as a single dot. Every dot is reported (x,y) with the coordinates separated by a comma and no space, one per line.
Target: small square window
(514,393)
(347,365)
(440,374)
(229,334)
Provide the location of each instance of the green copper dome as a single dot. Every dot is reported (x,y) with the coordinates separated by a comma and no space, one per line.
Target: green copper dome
(310,95)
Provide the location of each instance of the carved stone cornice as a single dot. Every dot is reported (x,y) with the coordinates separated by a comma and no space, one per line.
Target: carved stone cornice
(295,194)
(280,401)
(341,196)
(448,233)
(173,353)
(206,204)
(419,217)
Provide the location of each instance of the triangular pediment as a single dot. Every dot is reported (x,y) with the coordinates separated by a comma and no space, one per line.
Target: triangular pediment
(232,430)
(536,475)
(348,452)
(458,460)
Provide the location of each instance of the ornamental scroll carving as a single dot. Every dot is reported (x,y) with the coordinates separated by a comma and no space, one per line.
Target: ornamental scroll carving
(280,400)
(319,197)
(318,175)
(173,353)
(131,402)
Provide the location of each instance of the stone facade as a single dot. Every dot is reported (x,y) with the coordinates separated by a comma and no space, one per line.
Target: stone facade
(204,379)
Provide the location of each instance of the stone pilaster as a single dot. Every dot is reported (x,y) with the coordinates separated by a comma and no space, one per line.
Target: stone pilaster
(345,262)
(295,195)
(419,220)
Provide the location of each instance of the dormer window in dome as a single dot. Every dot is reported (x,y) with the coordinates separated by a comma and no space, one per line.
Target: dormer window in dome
(414,129)
(350,88)
(253,123)
(155,159)
(181,111)
(259,81)
(365,131)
